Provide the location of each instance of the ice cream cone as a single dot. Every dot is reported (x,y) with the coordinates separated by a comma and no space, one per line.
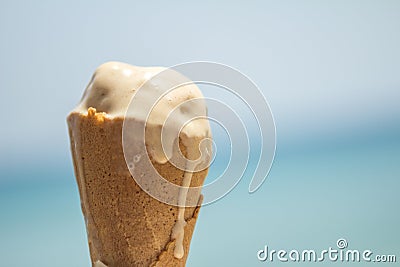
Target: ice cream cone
(125,225)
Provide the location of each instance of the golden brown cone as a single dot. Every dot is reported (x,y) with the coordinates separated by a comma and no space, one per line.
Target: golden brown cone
(125,225)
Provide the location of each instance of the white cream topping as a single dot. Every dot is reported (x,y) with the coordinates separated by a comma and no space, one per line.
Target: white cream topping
(114,84)
(111,89)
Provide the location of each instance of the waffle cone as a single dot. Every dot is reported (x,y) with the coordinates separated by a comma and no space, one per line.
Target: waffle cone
(125,225)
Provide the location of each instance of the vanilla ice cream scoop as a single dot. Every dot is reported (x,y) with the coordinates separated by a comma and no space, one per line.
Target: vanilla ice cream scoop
(113,86)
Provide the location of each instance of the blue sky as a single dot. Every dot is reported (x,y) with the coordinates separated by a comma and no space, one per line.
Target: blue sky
(326,68)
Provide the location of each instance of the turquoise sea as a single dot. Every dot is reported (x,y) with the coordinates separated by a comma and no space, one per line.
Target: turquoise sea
(315,194)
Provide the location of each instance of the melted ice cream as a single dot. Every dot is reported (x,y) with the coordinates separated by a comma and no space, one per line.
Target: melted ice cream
(110,91)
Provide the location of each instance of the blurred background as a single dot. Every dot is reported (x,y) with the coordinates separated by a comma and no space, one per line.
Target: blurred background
(330,71)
